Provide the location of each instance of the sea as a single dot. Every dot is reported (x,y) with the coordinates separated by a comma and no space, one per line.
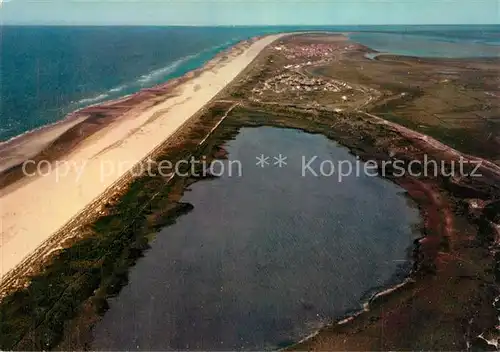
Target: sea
(47,72)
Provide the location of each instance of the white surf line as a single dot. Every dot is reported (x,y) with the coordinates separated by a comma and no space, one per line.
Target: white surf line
(148,203)
(91,210)
(11,277)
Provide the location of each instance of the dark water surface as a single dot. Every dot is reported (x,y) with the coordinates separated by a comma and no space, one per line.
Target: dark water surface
(47,72)
(432,42)
(264,258)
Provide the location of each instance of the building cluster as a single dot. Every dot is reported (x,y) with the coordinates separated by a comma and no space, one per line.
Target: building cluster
(319,50)
(292,81)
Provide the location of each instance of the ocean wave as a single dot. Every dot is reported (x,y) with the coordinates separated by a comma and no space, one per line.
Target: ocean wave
(33,131)
(78,106)
(95,99)
(151,77)
(117,89)
(156,75)
(161,72)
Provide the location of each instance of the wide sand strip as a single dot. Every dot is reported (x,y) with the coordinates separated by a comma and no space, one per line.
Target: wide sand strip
(32,212)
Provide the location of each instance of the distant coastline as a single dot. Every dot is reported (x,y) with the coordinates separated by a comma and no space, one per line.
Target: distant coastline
(34,117)
(97,134)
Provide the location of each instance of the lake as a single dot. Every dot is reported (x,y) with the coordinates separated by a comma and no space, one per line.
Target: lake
(267,256)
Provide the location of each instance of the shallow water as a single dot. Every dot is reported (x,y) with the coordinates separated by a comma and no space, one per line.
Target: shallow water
(264,258)
(447,44)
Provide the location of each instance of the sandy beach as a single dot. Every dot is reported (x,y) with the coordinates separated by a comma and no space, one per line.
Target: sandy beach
(33,208)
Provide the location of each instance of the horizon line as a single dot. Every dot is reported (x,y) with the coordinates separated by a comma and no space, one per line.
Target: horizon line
(242,25)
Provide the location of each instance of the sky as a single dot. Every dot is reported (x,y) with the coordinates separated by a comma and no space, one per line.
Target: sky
(248,12)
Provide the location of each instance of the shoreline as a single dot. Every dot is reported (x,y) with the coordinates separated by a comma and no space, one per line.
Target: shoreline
(427,246)
(432,204)
(27,217)
(95,100)
(81,115)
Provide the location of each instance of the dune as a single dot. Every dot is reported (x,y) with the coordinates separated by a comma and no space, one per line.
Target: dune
(36,206)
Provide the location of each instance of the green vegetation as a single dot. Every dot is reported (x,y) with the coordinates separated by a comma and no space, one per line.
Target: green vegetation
(95,268)
(97,265)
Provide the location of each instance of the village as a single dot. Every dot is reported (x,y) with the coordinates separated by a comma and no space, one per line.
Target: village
(296,81)
(312,51)
(293,77)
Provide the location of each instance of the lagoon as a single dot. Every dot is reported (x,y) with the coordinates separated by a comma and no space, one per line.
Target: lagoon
(266,257)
